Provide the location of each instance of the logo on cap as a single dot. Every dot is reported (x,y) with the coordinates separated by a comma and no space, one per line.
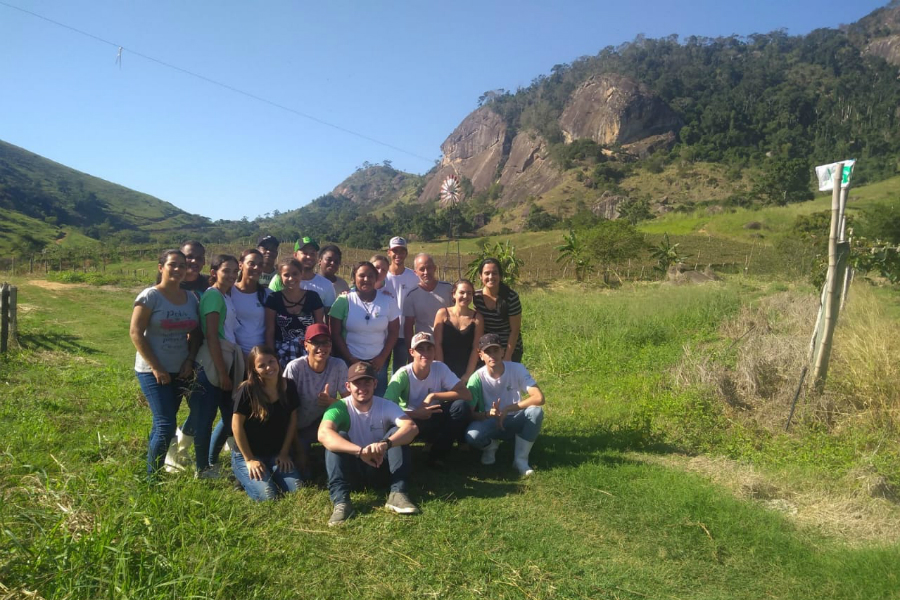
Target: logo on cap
(306,241)
(423,337)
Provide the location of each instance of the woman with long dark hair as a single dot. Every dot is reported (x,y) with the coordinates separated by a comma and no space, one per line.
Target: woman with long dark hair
(220,361)
(365,324)
(165,334)
(457,329)
(501,309)
(264,425)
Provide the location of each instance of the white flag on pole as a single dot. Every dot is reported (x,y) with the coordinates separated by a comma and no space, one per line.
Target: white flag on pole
(825,175)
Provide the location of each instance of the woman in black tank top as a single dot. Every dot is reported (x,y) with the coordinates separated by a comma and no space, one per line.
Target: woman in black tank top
(457,329)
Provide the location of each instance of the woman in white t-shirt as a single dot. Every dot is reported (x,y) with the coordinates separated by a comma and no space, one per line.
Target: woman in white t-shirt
(365,324)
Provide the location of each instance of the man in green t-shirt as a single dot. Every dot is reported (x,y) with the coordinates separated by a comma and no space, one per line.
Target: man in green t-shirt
(358,433)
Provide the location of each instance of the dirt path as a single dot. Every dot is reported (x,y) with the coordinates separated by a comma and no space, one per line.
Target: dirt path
(859,509)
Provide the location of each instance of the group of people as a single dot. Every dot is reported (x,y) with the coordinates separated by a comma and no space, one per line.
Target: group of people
(288,356)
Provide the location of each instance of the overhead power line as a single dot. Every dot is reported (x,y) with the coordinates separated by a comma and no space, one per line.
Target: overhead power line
(226,86)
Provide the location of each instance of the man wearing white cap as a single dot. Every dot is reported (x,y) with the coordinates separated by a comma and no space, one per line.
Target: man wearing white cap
(400,281)
(433,396)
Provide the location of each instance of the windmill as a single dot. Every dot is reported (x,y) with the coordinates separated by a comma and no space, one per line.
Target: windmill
(451,195)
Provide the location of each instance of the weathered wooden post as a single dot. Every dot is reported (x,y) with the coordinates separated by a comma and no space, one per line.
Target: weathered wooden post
(4,317)
(830,307)
(13,320)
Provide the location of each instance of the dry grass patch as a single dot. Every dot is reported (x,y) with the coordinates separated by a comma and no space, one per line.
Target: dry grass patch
(859,509)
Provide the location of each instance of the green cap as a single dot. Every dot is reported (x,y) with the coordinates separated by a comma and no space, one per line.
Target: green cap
(306,241)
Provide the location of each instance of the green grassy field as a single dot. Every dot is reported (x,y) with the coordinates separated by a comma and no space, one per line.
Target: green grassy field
(608,515)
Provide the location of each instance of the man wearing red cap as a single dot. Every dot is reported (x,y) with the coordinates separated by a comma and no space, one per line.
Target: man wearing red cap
(316,380)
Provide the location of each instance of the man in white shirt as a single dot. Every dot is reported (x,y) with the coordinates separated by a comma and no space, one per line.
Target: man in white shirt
(306,250)
(400,281)
(500,410)
(358,433)
(317,380)
(433,396)
(426,299)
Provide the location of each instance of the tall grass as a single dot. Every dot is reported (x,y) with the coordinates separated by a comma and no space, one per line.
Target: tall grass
(78,519)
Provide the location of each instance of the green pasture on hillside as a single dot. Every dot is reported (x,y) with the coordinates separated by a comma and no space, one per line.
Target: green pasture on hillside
(78,519)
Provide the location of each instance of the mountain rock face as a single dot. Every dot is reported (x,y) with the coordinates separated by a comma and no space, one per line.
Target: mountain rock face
(475,149)
(527,171)
(612,109)
(881,28)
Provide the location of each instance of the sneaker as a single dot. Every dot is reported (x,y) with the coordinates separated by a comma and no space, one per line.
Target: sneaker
(342,512)
(401,504)
(212,472)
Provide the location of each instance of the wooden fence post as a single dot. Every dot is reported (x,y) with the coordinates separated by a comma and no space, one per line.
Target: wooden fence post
(13,320)
(4,316)
(831,297)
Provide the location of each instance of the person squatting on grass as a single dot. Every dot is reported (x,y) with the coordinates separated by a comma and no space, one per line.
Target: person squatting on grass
(264,425)
(501,309)
(365,324)
(290,311)
(315,380)
(433,397)
(164,331)
(500,411)
(220,362)
(365,435)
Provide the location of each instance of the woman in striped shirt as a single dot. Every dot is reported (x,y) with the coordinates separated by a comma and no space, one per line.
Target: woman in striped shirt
(501,309)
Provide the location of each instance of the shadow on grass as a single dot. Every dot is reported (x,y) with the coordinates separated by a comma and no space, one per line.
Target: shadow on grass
(54,342)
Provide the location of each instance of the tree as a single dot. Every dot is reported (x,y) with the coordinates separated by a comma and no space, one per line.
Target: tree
(785,181)
(613,241)
(574,252)
(634,211)
(666,254)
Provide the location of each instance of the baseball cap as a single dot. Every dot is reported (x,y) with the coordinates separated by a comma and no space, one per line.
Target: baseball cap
(488,340)
(397,242)
(315,330)
(268,241)
(423,337)
(361,370)
(306,241)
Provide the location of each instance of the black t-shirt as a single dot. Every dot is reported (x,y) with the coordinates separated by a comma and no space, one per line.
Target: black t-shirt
(266,437)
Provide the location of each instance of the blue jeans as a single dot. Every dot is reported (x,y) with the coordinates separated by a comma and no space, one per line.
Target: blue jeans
(164,401)
(274,482)
(445,427)
(222,431)
(205,400)
(525,424)
(347,471)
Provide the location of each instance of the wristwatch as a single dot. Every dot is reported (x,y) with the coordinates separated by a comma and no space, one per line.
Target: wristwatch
(389,443)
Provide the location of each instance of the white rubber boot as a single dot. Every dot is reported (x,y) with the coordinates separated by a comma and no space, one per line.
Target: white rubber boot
(230,445)
(520,462)
(489,454)
(178,458)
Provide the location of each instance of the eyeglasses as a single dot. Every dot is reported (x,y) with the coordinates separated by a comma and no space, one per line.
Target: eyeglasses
(320,344)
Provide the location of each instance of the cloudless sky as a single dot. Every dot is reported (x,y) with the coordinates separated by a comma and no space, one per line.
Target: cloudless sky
(403,73)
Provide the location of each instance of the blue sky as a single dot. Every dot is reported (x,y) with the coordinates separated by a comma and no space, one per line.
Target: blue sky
(402,73)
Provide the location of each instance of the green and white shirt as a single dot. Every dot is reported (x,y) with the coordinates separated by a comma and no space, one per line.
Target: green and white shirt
(364,428)
(509,387)
(409,391)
